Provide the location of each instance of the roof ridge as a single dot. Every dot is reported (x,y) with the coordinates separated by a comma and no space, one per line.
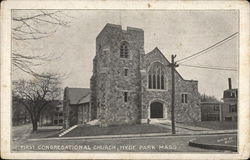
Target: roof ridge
(83,97)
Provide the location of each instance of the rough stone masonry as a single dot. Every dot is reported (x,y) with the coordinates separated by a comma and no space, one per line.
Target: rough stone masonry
(129,86)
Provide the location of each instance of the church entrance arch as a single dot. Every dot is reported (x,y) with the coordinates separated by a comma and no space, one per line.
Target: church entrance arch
(156,110)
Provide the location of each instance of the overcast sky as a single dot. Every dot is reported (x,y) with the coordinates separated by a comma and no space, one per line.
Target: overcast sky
(174,32)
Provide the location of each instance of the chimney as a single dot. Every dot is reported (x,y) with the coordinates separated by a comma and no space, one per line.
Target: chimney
(229,83)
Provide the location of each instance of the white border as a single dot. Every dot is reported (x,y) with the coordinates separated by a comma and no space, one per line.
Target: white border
(244,137)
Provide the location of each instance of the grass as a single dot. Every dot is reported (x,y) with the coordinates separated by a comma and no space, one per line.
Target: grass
(215,125)
(116,130)
(44,133)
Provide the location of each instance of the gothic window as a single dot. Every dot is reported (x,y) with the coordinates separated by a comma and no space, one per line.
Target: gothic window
(149,81)
(162,81)
(156,76)
(124,50)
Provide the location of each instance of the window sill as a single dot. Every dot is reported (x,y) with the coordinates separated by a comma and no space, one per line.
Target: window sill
(157,90)
(126,59)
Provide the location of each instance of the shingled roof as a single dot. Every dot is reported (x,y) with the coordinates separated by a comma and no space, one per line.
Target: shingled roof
(75,95)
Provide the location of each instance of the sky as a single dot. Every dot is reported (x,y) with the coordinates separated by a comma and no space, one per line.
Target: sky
(180,32)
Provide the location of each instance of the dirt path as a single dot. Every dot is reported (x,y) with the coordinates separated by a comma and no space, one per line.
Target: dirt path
(20,134)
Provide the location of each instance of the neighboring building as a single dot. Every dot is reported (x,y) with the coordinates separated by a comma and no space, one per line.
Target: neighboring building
(129,86)
(211,111)
(221,111)
(230,98)
(52,114)
(76,106)
(19,114)
(58,115)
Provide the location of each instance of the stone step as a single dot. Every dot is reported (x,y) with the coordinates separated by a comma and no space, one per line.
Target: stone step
(67,130)
(94,122)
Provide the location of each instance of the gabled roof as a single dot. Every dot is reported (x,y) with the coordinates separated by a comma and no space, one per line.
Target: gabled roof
(76,94)
(85,99)
(157,50)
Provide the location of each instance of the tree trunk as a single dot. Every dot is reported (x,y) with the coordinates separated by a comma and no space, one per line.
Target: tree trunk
(34,124)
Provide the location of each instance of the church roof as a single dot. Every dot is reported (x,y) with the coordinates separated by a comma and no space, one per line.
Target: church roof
(85,99)
(77,95)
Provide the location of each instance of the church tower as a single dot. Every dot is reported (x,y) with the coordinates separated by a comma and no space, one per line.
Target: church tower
(116,81)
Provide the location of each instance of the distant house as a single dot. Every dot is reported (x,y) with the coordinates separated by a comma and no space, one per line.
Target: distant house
(210,111)
(58,115)
(76,106)
(230,98)
(221,111)
(19,114)
(52,114)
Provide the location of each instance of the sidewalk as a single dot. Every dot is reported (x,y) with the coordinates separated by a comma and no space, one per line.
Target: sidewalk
(212,132)
(186,127)
(49,127)
(219,143)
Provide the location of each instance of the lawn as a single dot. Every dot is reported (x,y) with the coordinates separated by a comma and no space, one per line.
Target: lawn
(85,130)
(215,125)
(42,133)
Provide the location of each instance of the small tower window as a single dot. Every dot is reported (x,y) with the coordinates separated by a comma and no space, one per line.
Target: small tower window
(184,98)
(125,96)
(124,50)
(125,72)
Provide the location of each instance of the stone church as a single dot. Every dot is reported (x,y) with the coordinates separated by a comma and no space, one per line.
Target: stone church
(130,86)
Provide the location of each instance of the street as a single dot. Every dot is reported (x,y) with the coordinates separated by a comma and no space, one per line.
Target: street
(136,144)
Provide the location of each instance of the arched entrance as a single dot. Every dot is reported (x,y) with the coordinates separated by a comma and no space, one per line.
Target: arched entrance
(156,110)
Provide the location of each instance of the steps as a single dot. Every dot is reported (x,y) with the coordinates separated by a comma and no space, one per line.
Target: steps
(67,130)
(94,122)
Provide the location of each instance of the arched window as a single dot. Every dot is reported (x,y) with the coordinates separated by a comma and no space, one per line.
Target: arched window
(124,49)
(156,76)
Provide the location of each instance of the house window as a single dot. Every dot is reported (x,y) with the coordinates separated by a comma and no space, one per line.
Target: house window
(55,122)
(228,118)
(125,72)
(156,76)
(125,96)
(60,114)
(184,98)
(232,108)
(233,95)
(124,50)
(216,108)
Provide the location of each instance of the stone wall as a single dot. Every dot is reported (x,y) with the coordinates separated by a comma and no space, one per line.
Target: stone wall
(83,113)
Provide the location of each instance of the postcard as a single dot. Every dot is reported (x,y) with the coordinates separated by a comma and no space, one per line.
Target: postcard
(125,79)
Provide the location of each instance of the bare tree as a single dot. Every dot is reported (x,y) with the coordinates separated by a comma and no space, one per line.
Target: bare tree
(32,25)
(207,98)
(37,94)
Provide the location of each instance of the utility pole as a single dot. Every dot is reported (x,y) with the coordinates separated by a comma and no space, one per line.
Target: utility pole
(173,65)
